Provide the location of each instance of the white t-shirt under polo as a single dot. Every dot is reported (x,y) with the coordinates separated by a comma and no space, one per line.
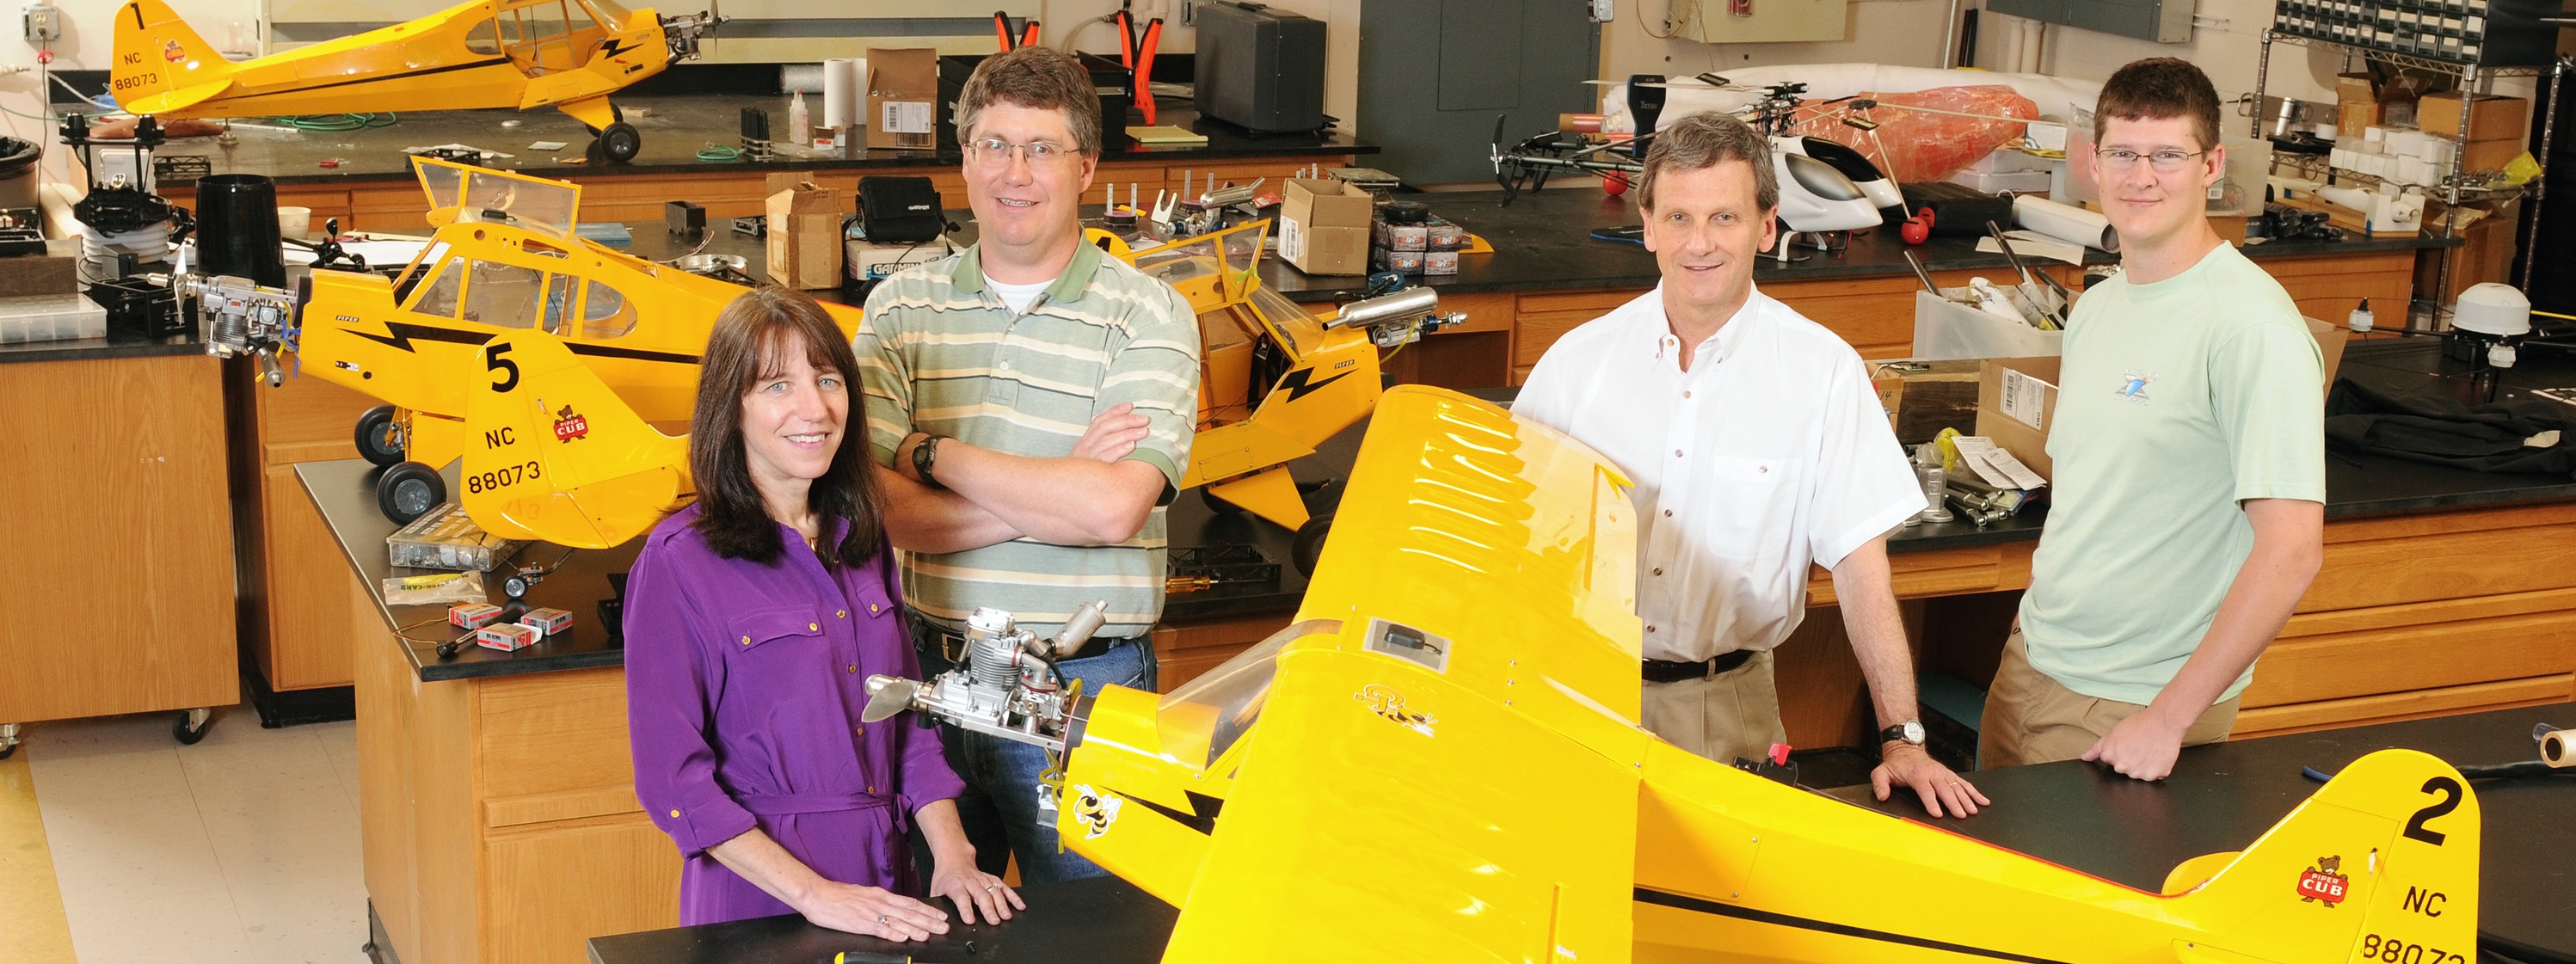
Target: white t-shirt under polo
(1770,453)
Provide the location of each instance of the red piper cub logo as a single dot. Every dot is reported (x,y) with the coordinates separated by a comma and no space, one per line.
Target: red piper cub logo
(171,51)
(569,426)
(2324,882)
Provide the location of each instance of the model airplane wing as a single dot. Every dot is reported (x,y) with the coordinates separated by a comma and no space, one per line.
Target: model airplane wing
(553,453)
(1468,634)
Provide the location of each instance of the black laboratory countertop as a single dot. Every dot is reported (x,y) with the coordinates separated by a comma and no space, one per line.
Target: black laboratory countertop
(675,128)
(2077,815)
(86,349)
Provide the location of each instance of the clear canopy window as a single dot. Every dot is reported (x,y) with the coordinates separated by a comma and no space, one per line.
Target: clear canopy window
(1205,716)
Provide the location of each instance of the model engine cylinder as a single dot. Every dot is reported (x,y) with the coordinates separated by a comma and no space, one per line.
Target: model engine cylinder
(1007,686)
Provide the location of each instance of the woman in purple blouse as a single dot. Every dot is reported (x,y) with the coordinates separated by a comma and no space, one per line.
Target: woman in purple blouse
(753,620)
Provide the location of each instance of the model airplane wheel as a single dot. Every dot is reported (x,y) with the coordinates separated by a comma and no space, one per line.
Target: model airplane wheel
(408,489)
(380,436)
(1308,547)
(620,142)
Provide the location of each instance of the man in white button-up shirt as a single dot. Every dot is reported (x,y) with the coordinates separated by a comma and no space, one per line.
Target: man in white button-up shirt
(1757,446)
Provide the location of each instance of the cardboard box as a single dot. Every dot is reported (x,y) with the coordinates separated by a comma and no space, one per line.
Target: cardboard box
(903,95)
(2330,340)
(2490,117)
(1324,227)
(27,275)
(1924,396)
(2352,117)
(1440,262)
(2479,156)
(2360,87)
(1400,262)
(2016,403)
(805,237)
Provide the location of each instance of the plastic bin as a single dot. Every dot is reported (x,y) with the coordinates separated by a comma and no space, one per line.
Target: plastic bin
(50,318)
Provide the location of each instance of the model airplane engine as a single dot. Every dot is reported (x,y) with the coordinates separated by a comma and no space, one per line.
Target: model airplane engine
(237,316)
(1397,319)
(1008,687)
(682,32)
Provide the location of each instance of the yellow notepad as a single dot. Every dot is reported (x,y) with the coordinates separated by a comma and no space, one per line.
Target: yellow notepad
(1166,134)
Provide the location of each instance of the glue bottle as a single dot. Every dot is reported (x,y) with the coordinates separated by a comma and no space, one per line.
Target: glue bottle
(798,131)
(2360,320)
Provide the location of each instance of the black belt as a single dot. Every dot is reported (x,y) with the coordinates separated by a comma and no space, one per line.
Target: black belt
(1668,671)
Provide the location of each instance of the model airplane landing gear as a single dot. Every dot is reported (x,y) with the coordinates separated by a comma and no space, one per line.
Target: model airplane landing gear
(1309,545)
(192,725)
(618,144)
(405,490)
(381,435)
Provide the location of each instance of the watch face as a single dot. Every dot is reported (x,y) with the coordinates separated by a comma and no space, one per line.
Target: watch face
(1913,731)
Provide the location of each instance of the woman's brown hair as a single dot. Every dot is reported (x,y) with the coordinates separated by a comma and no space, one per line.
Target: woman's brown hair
(752,337)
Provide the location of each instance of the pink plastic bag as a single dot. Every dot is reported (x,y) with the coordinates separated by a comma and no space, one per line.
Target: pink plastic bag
(1916,147)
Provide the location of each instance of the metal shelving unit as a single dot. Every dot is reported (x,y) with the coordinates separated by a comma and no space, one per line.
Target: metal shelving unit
(2474,76)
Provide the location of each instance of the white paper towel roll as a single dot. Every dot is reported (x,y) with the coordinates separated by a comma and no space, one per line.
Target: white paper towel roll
(2065,222)
(841,96)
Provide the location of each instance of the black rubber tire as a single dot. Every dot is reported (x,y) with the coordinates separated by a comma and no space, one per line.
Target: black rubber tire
(380,436)
(620,142)
(179,731)
(407,490)
(1218,505)
(1308,548)
(514,587)
(10,751)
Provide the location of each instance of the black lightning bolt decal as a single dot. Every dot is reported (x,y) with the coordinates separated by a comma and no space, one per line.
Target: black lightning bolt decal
(402,332)
(1298,387)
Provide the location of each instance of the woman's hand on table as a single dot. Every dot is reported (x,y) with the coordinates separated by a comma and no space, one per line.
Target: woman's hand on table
(973,890)
(871,911)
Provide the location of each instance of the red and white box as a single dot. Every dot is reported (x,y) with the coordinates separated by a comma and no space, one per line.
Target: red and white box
(506,637)
(472,615)
(547,621)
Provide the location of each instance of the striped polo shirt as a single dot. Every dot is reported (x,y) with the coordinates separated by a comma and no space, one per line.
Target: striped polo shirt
(939,352)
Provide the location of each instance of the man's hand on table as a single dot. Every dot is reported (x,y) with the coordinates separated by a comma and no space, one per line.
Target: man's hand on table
(2141,747)
(1944,793)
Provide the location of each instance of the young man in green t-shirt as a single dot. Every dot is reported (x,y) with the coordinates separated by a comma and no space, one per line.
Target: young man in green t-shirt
(2190,458)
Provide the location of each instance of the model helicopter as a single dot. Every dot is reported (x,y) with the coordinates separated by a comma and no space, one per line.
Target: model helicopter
(1293,380)
(566,54)
(1441,758)
(538,357)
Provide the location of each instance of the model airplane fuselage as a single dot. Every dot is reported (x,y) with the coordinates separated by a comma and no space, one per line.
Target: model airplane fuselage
(1440,761)
(565,54)
(539,358)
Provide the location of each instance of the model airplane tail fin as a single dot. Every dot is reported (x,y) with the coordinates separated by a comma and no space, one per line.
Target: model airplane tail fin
(551,453)
(2381,864)
(160,65)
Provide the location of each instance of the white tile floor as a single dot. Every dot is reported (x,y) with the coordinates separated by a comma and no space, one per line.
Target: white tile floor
(243,848)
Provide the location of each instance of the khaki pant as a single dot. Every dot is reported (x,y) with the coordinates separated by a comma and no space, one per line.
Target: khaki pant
(2033,718)
(1733,714)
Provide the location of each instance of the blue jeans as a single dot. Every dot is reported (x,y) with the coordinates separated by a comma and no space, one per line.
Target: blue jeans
(1000,807)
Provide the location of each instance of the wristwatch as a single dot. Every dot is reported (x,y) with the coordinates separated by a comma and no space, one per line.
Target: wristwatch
(924,456)
(1910,731)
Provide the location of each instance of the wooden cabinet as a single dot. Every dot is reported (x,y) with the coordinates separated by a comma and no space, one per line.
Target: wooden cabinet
(498,815)
(116,592)
(294,612)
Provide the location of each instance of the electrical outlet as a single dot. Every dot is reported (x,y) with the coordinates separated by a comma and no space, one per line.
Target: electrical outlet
(1189,13)
(43,23)
(1603,11)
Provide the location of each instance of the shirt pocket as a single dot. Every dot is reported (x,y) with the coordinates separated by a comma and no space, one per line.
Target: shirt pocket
(1746,510)
(775,630)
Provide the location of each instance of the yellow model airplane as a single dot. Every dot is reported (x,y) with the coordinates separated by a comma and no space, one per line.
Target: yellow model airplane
(1276,379)
(1440,761)
(565,54)
(538,357)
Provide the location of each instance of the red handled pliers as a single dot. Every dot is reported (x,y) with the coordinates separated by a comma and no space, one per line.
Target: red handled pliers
(1002,32)
(1136,53)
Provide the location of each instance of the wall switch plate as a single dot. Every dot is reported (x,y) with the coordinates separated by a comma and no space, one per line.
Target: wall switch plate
(1604,11)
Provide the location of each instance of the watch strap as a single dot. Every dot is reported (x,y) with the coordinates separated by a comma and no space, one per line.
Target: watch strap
(924,457)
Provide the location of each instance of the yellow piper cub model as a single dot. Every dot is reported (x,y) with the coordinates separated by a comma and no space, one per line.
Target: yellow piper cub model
(1276,380)
(538,357)
(1440,761)
(565,54)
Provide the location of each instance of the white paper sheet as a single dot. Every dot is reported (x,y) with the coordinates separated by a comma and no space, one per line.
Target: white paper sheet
(1994,466)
